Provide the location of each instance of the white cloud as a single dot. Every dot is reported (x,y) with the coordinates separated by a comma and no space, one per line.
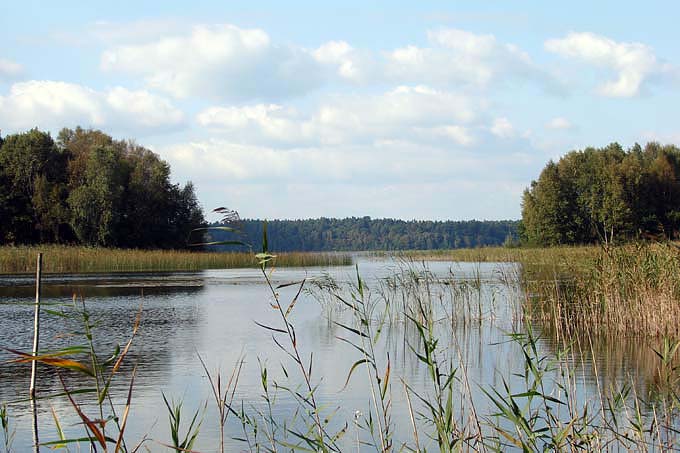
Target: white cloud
(351,64)
(406,113)
(52,105)
(225,62)
(9,69)
(503,128)
(458,134)
(559,123)
(148,109)
(460,57)
(632,62)
(390,179)
(219,62)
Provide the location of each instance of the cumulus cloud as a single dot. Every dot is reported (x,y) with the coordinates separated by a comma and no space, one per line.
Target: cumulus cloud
(216,161)
(406,113)
(51,104)
(632,62)
(457,56)
(9,69)
(262,181)
(228,63)
(350,64)
(219,62)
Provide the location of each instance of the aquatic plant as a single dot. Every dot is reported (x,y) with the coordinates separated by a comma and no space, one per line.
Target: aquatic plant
(66,259)
(107,426)
(8,432)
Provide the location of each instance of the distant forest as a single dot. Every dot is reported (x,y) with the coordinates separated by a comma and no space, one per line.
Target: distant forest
(87,188)
(605,195)
(364,233)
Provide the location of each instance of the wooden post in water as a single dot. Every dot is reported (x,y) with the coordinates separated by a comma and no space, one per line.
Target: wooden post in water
(36,323)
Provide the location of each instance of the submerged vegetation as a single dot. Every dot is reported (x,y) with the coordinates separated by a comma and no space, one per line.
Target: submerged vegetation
(61,259)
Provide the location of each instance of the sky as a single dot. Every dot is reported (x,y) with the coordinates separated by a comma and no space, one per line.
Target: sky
(412,110)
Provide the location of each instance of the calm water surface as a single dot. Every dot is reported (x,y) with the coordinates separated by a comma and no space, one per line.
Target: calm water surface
(213,313)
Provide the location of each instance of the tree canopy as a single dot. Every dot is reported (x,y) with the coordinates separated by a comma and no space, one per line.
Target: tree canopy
(88,188)
(604,195)
(365,233)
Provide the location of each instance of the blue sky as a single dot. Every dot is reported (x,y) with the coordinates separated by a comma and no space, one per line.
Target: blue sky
(427,110)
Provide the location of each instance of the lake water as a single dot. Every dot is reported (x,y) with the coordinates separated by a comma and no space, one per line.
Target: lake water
(214,313)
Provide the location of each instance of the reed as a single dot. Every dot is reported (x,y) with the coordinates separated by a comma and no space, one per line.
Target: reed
(536,256)
(631,289)
(627,290)
(62,259)
(7,431)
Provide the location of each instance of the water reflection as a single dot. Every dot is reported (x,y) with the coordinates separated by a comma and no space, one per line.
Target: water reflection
(213,313)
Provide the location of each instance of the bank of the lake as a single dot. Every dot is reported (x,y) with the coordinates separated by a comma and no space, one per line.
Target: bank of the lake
(76,259)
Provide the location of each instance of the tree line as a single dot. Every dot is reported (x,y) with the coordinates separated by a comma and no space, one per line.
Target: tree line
(365,233)
(90,189)
(604,195)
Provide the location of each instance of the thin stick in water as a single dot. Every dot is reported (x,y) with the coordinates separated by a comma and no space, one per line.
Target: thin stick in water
(36,324)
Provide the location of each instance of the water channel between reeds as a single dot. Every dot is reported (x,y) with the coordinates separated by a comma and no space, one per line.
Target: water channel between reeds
(471,307)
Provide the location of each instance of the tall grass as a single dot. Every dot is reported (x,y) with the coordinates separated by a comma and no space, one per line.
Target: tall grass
(62,259)
(536,407)
(629,289)
(626,290)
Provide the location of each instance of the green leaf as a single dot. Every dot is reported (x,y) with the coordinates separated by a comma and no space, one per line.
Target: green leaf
(351,370)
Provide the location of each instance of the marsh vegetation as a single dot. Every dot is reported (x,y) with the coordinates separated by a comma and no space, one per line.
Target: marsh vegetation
(70,259)
(531,352)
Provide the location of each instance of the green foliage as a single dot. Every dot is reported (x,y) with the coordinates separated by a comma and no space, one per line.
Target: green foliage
(32,179)
(96,205)
(364,233)
(604,195)
(7,432)
(88,187)
(179,442)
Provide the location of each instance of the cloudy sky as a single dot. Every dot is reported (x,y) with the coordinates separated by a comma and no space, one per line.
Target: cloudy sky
(425,110)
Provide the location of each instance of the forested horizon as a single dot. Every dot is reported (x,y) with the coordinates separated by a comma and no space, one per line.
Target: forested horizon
(365,233)
(605,195)
(87,188)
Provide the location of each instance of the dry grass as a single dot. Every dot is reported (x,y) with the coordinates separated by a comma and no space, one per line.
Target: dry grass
(57,259)
(503,254)
(630,289)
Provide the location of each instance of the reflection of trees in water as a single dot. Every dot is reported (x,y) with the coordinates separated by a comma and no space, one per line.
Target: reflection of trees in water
(166,311)
(613,359)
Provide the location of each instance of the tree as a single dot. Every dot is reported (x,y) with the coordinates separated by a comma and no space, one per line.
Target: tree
(34,176)
(605,194)
(96,208)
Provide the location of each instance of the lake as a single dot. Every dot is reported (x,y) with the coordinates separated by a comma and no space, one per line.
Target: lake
(215,314)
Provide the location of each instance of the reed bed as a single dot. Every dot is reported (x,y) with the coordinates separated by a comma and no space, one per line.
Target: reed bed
(537,256)
(64,259)
(631,289)
(626,290)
